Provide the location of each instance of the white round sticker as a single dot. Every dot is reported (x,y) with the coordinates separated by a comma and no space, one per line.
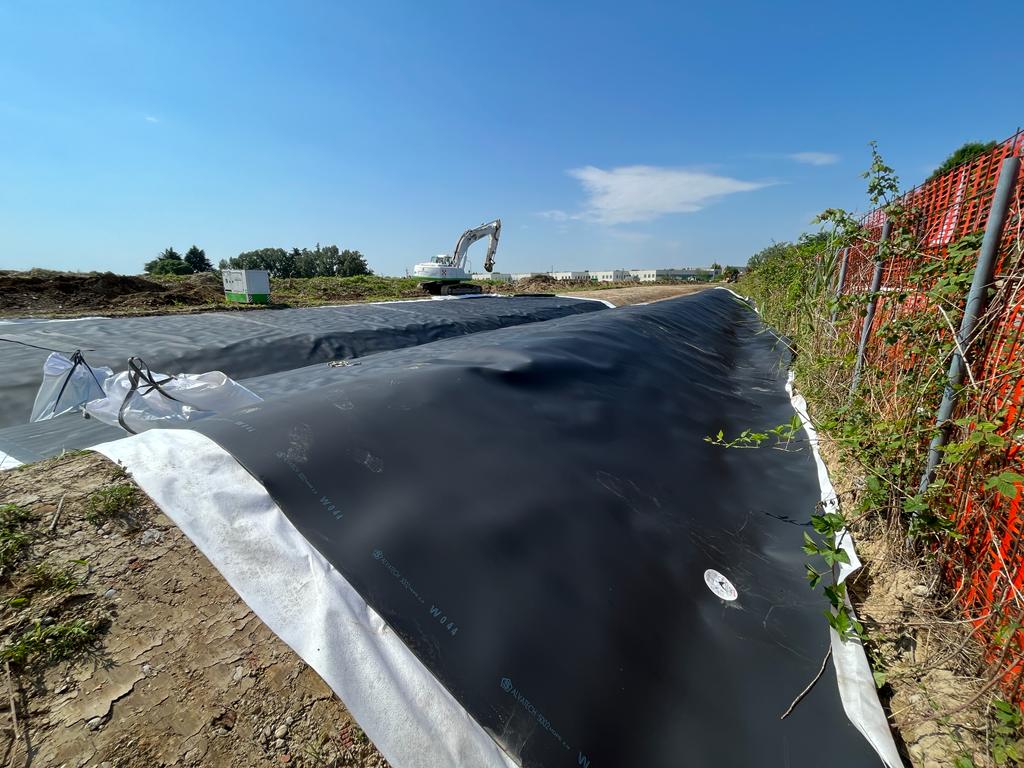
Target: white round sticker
(720,585)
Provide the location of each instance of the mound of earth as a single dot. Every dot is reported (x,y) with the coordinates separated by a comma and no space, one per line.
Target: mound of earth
(538,284)
(55,293)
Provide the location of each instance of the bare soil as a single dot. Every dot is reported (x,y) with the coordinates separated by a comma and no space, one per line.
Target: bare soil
(40,292)
(179,671)
(639,294)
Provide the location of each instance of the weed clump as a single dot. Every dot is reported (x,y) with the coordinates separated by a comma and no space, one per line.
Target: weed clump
(50,643)
(109,502)
(45,578)
(14,536)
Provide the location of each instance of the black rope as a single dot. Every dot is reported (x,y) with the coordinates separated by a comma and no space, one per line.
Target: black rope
(76,359)
(36,346)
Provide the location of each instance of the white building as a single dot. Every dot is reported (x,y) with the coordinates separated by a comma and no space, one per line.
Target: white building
(685,273)
(573,276)
(526,275)
(503,277)
(611,276)
(645,275)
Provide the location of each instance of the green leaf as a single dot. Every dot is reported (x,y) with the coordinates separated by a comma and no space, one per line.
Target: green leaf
(813,577)
(1005,483)
(835,555)
(880,678)
(1002,706)
(835,594)
(810,547)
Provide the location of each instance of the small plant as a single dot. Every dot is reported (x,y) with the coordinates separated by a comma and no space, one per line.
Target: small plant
(784,435)
(358,736)
(1007,745)
(830,527)
(46,578)
(50,644)
(14,538)
(43,578)
(108,502)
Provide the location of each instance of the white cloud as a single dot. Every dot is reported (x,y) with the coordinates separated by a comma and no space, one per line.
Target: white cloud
(555,215)
(644,192)
(814,158)
(151,119)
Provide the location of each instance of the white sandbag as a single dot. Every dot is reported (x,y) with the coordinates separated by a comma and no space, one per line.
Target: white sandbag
(67,384)
(139,399)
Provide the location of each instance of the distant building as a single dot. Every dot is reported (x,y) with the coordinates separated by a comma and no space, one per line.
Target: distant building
(611,276)
(606,276)
(646,275)
(684,273)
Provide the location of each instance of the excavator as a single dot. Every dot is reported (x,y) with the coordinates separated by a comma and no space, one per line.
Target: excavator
(446,275)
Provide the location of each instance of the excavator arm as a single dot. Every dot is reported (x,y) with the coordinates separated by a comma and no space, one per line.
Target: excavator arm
(470,236)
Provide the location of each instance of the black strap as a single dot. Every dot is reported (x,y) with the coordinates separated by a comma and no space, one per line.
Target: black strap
(143,381)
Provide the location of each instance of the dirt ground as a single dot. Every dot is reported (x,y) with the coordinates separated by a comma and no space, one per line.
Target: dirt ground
(173,669)
(640,294)
(41,292)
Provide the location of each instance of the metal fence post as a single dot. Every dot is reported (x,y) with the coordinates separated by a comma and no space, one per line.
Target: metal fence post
(977,303)
(841,282)
(869,317)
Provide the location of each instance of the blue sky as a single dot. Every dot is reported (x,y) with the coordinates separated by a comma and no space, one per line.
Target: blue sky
(604,135)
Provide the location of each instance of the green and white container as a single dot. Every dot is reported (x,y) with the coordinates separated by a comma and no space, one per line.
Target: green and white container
(247,286)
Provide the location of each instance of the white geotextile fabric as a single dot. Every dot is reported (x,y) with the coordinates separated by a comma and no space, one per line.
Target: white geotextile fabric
(853,673)
(586,298)
(411,718)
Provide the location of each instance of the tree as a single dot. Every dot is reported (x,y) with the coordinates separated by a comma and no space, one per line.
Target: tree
(964,154)
(277,261)
(773,253)
(196,258)
(352,263)
(169,262)
(322,261)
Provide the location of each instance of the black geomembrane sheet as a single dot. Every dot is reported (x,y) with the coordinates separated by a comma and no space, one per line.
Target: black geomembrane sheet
(533,510)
